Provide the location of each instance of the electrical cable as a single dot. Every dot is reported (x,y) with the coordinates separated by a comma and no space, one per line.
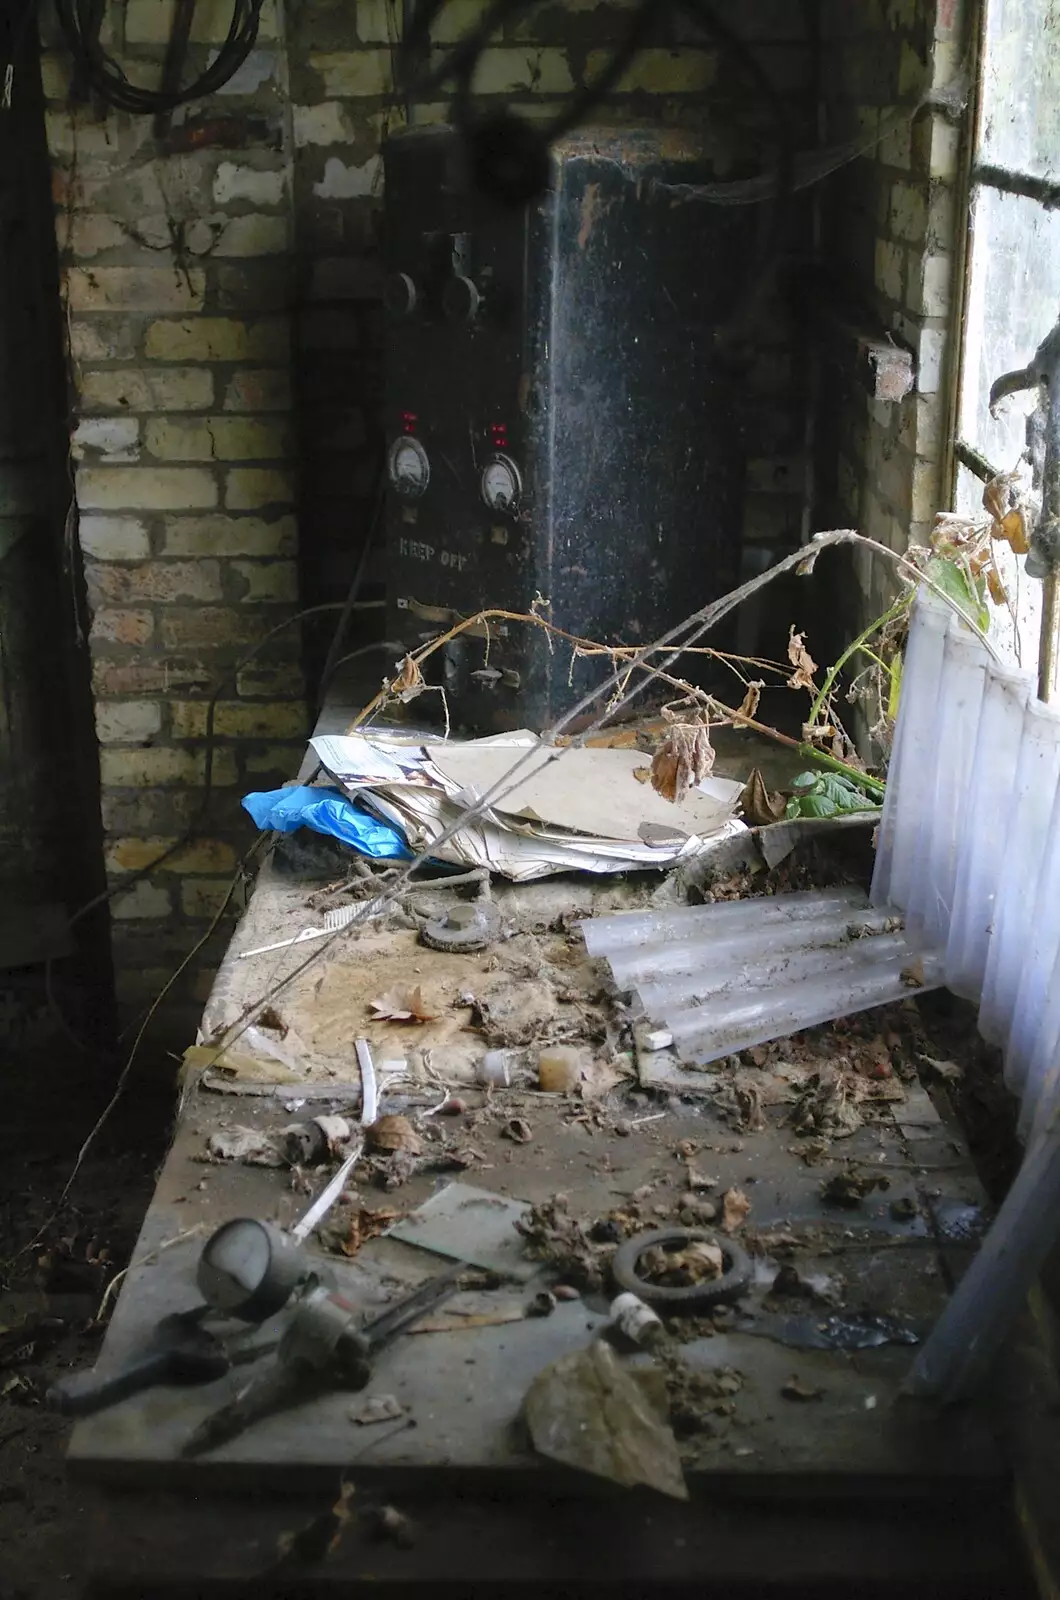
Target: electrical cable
(378,501)
(81,21)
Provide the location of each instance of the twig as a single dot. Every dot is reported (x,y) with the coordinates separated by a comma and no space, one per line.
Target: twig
(123,1076)
(146,1261)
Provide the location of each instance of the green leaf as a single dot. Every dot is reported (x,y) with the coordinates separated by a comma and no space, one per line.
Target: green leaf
(969,595)
(817,805)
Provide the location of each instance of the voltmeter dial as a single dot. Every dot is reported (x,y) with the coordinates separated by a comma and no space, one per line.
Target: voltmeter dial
(408,468)
(501,483)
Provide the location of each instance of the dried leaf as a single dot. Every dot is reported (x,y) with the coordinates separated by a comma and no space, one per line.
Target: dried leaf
(684,759)
(801,659)
(377,1408)
(364,1225)
(734,1209)
(402,1005)
(409,681)
(1014,529)
(749,703)
(759,806)
(996,588)
(393,1133)
(642,774)
(797,1389)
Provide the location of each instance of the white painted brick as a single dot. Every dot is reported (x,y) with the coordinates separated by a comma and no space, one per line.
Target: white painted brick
(113,538)
(342,182)
(931,349)
(945,147)
(106,439)
(257,187)
(327,123)
(144,900)
(930,294)
(127,721)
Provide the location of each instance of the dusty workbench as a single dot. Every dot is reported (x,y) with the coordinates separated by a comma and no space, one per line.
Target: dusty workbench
(833,1484)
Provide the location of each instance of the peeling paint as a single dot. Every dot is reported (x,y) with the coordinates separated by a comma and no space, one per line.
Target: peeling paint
(341,182)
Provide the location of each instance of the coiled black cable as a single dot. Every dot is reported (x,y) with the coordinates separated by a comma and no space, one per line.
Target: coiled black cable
(81,22)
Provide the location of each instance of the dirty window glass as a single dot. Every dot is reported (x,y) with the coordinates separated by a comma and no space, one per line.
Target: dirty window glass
(1014,268)
(1021,87)
(1014,299)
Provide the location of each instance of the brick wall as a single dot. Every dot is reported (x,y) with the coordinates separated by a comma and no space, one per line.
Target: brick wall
(207,277)
(177,283)
(894,230)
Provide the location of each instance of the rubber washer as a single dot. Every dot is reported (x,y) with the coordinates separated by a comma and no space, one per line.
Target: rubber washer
(734,1281)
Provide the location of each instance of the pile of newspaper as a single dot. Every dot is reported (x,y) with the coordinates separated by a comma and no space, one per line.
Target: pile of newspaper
(548,809)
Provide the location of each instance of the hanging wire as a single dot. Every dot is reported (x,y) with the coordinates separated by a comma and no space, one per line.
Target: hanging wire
(508,155)
(81,22)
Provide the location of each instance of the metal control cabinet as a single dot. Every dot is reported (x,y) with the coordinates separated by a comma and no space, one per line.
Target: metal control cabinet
(561,433)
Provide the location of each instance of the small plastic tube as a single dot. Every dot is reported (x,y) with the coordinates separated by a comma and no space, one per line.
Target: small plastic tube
(712,951)
(606,935)
(706,1033)
(798,966)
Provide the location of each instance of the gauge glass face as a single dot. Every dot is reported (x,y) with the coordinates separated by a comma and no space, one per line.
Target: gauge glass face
(500,484)
(409,468)
(234,1263)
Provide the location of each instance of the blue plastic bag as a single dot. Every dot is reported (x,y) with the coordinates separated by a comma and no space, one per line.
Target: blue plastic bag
(327,811)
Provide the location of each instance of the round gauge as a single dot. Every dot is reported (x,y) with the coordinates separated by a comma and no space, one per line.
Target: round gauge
(501,483)
(408,467)
(400,295)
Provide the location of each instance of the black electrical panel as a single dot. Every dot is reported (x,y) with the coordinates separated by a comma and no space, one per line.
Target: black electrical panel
(561,428)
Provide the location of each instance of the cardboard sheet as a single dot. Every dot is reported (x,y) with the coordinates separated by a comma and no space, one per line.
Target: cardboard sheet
(588,791)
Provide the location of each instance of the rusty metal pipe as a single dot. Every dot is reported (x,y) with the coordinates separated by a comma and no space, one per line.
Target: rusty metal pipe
(1047,638)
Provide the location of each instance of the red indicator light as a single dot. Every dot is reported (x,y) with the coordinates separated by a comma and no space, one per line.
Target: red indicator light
(409,420)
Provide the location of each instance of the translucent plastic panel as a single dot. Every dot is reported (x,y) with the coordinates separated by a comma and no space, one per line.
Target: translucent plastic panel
(1021,87)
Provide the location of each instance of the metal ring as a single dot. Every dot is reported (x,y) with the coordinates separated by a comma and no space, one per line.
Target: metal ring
(734,1281)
